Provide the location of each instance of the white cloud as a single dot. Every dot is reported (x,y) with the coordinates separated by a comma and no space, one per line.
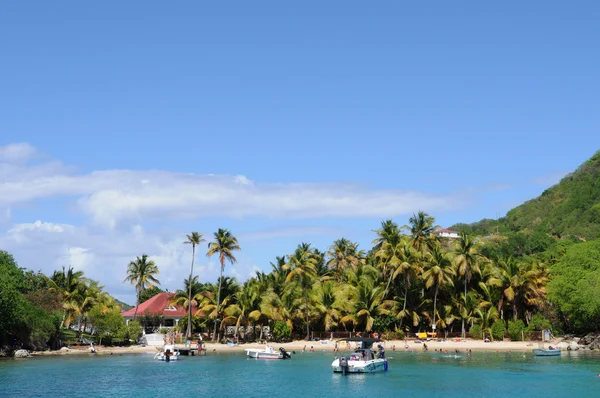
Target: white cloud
(288,232)
(111,197)
(17,152)
(104,255)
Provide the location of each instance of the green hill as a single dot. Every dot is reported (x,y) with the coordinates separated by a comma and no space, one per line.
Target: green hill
(124,307)
(569,209)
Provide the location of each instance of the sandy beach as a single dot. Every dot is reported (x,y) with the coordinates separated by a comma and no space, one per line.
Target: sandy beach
(325,345)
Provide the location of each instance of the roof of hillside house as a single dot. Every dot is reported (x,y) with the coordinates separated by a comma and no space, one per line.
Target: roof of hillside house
(445,230)
(159,305)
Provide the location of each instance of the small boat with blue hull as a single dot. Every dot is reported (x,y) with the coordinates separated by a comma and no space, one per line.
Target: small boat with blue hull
(540,352)
(363,359)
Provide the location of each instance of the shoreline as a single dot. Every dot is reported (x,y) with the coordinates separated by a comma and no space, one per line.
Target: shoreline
(317,346)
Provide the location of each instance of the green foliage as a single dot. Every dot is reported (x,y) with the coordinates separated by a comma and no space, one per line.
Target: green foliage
(575,287)
(539,323)
(476,333)
(498,330)
(569,209)
(147,294)
(106,323)
(130,332)
(384,323)
(281,331)
(515,328)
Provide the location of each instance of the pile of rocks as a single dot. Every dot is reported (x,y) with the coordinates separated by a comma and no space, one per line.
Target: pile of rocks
(591,341)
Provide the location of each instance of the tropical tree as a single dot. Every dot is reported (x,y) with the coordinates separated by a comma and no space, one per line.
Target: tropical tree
(301,266)
(67,284)
(142,273)
(193,239)
(438,273)
(422,226)
(408,268)
(224,245)
(365,304)
(466,261)
(343,254)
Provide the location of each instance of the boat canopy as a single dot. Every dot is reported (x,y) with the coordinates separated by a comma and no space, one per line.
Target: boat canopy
(366,341)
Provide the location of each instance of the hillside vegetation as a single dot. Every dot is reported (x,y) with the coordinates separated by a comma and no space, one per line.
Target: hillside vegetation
(569,209)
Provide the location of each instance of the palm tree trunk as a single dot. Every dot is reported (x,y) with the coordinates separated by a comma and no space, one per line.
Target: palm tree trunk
(137,303)
(189,325)
(463,321)
(218,302)
(404,305)
(435,303)
(307,325)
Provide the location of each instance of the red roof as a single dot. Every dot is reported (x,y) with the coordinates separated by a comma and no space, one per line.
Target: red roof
(159,305)
(446,230)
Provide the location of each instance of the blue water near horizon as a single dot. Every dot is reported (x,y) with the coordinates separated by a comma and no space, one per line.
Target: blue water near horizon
(306,375)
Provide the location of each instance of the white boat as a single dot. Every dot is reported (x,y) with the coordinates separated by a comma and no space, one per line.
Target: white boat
(363,359)
(268,353)
(168,353)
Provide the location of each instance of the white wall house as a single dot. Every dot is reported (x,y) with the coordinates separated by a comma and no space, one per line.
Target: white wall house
(447,233)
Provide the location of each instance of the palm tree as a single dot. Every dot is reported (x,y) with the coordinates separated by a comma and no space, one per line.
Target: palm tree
(67,284)
(182,299)
(421,231)
(302,269)
(364,304)
(343,254)
(193,239)
(466,261)
(409,269)
(438,274)
(141,273)
(224,244)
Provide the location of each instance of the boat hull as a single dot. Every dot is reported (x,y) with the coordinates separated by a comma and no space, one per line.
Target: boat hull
(373,366)
(546,353)
(162,357)
(261,354)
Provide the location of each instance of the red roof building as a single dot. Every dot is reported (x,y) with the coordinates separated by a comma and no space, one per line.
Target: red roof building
(160,305)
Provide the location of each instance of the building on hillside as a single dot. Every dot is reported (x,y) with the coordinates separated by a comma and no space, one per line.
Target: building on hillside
(160,306)
(447,233)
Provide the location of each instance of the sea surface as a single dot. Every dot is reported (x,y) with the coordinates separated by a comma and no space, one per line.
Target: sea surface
(306,375)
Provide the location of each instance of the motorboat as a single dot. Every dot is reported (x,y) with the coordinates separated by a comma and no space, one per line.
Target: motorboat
(168,353)
(363,359)
(268,353)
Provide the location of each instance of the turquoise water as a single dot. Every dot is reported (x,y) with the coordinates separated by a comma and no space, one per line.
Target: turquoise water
(306,375)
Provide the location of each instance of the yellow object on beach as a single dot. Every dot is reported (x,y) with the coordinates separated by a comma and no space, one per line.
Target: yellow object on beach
(422,335)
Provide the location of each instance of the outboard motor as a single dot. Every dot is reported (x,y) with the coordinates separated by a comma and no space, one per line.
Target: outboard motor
(284,353)
(344,364)
(168,355)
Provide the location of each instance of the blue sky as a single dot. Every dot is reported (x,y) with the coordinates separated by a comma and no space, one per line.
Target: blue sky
(124,126)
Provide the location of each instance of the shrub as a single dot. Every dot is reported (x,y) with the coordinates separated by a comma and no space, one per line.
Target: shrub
(396,335)
(498,330)
(281,331)
(539,323)
(476,332)
(515,328)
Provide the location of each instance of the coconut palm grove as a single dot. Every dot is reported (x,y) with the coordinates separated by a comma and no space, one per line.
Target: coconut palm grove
(506,278)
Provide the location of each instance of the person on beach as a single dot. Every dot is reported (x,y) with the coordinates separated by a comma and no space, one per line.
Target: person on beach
(424,347)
